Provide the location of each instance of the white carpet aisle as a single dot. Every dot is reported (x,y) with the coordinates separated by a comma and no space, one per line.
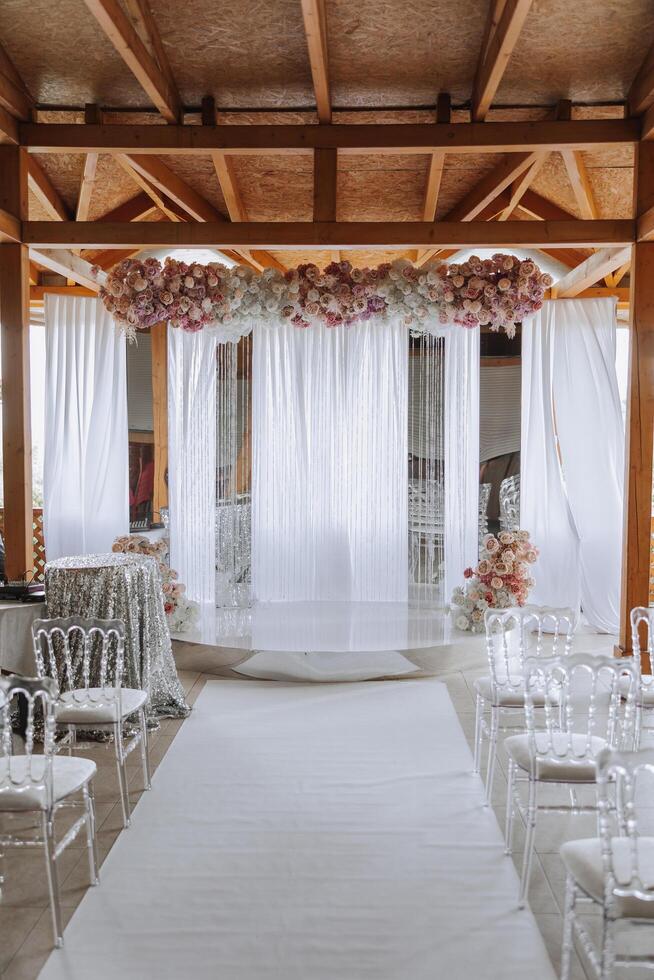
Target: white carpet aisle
(309,832)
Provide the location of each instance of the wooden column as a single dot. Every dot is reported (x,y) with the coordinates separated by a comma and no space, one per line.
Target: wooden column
(640,416)
(158,336)
(325,164)
(16,421)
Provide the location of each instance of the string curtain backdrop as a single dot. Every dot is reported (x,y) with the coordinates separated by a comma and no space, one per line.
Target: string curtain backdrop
(192,460)
(85,467)
(572,457)
(329,465)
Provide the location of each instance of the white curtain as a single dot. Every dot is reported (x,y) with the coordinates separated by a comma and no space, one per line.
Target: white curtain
(329,491)
(192,460)
(572,457)
(461,444)
(85,466)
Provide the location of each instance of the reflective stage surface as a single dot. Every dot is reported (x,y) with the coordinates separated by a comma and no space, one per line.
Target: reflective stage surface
(319,640)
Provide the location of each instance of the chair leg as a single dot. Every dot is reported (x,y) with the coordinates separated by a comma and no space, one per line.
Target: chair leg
(122,773)
(527,858)
(568,919)
(91,840)
(145,750)
(510,808)
(638,726)
(492,752)
(608,948)
(72,739)
(53,879)
(479,716)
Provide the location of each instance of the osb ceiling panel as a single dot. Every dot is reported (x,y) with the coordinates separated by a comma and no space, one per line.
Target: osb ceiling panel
(585,51)
(612,189)
(552,182)
(276,188)
(65,173)
(36,211)
(200,173)
(112,187)
(245,53)
(385,53)
(63,56)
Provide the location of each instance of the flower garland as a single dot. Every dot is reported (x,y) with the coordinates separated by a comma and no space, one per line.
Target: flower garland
(498,292)
(499,581)
(181,613)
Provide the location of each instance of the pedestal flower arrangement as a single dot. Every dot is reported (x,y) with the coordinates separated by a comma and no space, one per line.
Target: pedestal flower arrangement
(500,580)
(181,613)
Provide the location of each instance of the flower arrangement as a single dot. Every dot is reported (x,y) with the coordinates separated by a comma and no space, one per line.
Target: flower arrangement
(498,292)
(500,580)
(181,613)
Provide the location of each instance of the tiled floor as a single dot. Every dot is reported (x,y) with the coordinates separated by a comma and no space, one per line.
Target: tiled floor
(25,931)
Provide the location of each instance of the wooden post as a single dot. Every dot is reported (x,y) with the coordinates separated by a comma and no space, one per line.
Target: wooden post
(16,421)
(640,416)
(325,163)
(158,336)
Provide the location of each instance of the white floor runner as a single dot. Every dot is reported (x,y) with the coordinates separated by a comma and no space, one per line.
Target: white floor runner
(309,832)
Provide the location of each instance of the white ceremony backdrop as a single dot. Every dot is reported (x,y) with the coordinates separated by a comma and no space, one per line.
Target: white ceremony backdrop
(85,466)
(572,456)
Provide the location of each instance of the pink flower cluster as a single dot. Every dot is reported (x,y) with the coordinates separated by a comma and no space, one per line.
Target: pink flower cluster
(500,580)
(173,591)
(499,292)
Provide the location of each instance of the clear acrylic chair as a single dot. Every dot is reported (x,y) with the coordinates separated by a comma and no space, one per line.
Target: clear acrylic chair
(85,657)
(614,871)
(511,635)
(41,785)
(582,713)
(642,616)
(510,503)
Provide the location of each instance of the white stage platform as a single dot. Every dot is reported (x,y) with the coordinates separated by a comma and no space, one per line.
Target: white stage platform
(318,640)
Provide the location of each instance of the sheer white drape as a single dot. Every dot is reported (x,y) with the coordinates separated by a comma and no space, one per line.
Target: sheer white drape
(85,466)
(329,491)
(461,445)
(573,508)
(192,460)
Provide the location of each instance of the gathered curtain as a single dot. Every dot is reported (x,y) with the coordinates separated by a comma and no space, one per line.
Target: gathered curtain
(329,466)
(192,460)
(572,457)
(85,467)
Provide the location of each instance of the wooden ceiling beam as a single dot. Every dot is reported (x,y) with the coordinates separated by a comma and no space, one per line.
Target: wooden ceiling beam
(135,209)
(44,190)
(641,93)
(315,28)
(498,47)
(580,182)
(92,115)
(490,137)
(125,39)
(596,267)
(140,14)
(14,95)
(66,264)
(282,235)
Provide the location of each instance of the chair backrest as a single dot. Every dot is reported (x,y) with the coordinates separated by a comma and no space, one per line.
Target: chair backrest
(631,777)
(586,696)
(426,506)
(521,631)
(79,653)
(510,503)
(641,615)
(34,774)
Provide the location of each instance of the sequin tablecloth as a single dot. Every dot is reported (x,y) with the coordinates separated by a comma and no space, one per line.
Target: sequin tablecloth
(127,587)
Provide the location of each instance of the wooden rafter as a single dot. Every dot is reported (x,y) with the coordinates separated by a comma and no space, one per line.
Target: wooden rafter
(157,198)
(522,184)
(315,28)
(124,37)
(140,14)
(641,93)
(92,115)
(489,137)
(596,267)
(581,187)
(44,190)
(283,235)
(66,264)
(436,163)
(500,40)
(159,174)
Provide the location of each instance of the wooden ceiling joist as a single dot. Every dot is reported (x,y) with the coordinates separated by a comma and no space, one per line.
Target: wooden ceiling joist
(66,264)
(140,14)
(489,137)
(641,93)
(502,32)
(43,189)
(14,95)
(315,28)
(92,115)
(596,267)
(283,235)
(127,42)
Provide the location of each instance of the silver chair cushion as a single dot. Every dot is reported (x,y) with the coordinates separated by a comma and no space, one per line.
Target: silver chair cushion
(583,859)
(69,774)
(566,770)
(90,706)
(510,697)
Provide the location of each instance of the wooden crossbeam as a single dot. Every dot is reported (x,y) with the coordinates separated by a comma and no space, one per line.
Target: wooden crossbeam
(594,268)
(281,235)
(118,28)
(490,137)
(66,264)
(315,28)
(44,190)
(92,115)
(496,51)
